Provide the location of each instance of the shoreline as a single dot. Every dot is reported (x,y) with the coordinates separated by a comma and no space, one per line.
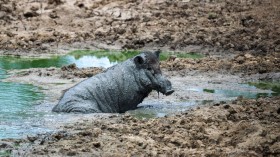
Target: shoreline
(240,127)
(210,129)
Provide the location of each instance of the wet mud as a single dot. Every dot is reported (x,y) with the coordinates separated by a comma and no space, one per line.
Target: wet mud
(242,127)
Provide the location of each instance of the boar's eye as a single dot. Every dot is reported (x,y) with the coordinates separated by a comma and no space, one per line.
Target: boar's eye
(151,70)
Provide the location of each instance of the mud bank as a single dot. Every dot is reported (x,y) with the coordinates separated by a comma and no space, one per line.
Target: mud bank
(246,64)
(242,127)
(43,26)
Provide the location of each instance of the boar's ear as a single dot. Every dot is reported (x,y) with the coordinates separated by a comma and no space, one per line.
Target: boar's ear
(138,60)
(157,52)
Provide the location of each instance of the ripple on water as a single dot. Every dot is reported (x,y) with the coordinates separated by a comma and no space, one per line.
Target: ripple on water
(2,74)
(152,109)
(16,107)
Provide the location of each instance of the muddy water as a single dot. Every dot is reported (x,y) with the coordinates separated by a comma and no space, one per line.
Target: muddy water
(19,113)
(203,93)
(16,101)
(16,107)
(24,110)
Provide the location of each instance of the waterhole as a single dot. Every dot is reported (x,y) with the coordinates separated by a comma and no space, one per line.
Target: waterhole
(22,112)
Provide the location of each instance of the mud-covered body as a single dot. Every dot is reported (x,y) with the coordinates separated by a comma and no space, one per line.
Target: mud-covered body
(118,89)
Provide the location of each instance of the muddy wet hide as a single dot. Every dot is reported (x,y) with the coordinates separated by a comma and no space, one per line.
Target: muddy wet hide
(119,88)
(164,85)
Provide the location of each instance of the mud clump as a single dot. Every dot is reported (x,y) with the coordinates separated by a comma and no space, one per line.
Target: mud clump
(66,72)
(72,71)
(241,127)
(7,14)
(227,25)
(242,63)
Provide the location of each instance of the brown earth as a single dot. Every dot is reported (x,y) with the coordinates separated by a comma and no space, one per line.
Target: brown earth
(246,64)
(240,128)
(66,72)
(236,25)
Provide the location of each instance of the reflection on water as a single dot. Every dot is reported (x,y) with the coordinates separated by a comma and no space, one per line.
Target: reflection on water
(2,74)
(112,56)
(151,109)
(235,93)
(92,61)
(117,56)
(57,61)
(245,90)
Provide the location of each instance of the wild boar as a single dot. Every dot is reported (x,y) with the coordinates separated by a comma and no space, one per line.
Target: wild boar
(118,89)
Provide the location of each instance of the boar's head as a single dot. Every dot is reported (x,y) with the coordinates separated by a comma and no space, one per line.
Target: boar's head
(149,73)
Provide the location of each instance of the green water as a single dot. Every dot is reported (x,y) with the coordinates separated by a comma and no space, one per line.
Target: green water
(236,93)
(5,153)
(16,101)
(117,56)
(246,90)
(3,74)
(18,113)
(82,58)
(54,61)
(274,86)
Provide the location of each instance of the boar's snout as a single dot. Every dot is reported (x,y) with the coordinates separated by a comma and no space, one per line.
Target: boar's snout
(165,86)
(169,92)
(168,88)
